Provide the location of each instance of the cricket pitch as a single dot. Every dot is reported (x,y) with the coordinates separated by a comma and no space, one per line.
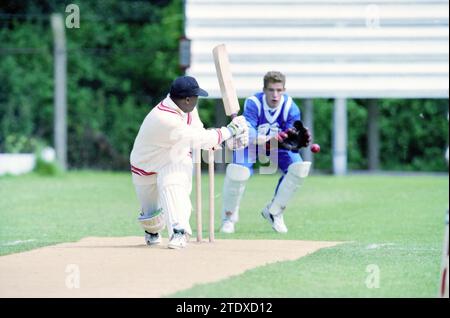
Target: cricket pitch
(126,267)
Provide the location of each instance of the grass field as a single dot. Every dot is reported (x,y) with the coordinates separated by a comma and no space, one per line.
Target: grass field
(390,223)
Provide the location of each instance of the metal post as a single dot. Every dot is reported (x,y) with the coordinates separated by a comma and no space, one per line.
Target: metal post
(340,137)
(373,138)
(60,98)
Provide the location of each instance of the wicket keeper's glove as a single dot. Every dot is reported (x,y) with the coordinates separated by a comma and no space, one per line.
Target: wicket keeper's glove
(297,137)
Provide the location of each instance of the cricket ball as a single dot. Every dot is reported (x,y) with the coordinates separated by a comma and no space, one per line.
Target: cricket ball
(315,148)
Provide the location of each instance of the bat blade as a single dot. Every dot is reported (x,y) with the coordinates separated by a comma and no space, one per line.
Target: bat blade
(227,89)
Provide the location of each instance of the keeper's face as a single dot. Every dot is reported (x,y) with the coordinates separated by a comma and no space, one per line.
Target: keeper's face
(273,92)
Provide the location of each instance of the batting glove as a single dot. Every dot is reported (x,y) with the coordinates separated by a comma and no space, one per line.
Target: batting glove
(238,126)
(238,142)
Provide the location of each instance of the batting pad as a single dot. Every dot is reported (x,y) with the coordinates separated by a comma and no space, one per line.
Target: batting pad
(153,223)
(174,188)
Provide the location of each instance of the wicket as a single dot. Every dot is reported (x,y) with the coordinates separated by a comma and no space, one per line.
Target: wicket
(198,194)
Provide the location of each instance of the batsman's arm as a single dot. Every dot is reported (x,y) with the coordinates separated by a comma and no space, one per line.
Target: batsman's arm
(197,136)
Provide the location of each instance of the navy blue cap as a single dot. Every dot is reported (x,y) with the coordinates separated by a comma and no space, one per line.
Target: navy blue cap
(186,86)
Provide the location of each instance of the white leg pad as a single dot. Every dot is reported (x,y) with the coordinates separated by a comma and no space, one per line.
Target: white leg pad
(151,217)
(148,197)
(174,183)
(233,189)
(153,222)
(293,179)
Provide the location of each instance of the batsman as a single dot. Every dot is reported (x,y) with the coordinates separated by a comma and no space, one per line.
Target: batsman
(275,130)
(161,160)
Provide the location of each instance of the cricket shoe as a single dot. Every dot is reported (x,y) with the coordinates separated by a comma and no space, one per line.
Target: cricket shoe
(152,238)
(227,227)
(178,239)
(276,221)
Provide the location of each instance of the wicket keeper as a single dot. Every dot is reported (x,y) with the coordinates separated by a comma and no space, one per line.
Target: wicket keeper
(275,130)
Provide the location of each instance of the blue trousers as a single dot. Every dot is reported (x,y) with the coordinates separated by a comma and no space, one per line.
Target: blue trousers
(248,157)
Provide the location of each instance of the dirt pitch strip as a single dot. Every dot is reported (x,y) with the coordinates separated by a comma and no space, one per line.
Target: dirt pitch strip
(125,267)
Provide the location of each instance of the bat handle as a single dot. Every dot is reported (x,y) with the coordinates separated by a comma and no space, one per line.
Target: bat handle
(233,116)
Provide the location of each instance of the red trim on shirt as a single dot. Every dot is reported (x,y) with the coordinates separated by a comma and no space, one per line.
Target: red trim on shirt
(169,110)
(163,107)
(189,118)
(141,172)
(136,172)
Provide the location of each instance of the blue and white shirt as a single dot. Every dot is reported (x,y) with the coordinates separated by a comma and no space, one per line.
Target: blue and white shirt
(267,121)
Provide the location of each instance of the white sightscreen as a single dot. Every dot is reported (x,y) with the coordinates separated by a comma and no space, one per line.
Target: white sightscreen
(355,49)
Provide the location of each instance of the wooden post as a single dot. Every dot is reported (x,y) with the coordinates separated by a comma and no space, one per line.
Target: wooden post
(211,194)
(198,193)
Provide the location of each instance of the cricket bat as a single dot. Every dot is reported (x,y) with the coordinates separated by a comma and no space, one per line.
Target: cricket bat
(223,70)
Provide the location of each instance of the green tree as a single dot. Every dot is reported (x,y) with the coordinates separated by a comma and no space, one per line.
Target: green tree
(121,62)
